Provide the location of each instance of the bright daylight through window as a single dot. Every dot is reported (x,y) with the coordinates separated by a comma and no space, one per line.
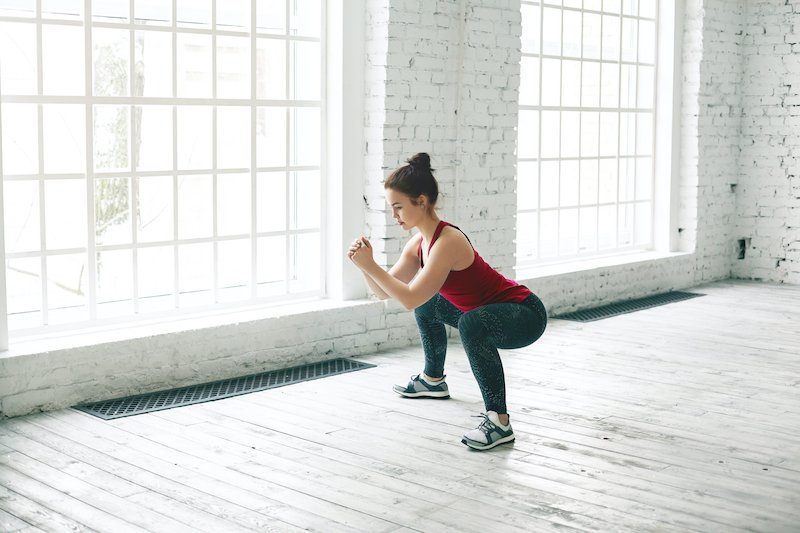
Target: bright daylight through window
(585,146)
(159,155)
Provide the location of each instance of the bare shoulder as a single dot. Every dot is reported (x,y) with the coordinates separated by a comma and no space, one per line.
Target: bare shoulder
(454,244)
(412,244)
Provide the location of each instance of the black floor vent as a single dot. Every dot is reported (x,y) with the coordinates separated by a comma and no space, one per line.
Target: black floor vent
(620,308)
(217,390)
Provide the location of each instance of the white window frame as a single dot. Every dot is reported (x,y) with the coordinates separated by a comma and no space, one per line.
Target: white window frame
(665,141)
(131,101)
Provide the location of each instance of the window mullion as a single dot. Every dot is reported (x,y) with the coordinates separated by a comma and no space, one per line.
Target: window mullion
(89,130)
(214,157)
(175,249)
(253,155)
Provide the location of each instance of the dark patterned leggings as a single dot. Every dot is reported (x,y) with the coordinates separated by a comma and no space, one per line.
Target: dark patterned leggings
(483,330)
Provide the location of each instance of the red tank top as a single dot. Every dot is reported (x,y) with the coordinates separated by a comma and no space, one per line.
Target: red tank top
(478,284)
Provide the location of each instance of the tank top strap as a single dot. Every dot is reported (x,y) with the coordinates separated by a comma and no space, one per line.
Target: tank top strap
(436,233)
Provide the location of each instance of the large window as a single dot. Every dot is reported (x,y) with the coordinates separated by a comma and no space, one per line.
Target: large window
(159,155)
(586,128)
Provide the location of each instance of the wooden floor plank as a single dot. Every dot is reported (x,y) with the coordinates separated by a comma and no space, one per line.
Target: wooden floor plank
(684,417)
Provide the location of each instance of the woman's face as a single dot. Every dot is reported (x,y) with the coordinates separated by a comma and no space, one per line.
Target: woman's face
(406,212)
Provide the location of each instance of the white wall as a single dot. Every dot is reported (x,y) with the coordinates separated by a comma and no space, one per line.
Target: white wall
(440,76)
(768,195)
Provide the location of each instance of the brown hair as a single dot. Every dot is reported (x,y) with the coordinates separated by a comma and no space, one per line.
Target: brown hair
(415,178)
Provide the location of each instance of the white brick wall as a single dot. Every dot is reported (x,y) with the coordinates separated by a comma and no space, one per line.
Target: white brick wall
(768,195)
(442,76)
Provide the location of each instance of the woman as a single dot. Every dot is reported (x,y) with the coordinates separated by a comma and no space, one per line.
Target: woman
(443,279)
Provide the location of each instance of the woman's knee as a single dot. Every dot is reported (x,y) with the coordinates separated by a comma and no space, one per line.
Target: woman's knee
(427,310)
(471,326)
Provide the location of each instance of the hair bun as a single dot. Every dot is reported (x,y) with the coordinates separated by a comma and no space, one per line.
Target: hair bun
(420,161)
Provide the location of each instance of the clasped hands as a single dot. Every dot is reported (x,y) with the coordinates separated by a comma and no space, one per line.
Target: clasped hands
(360,252)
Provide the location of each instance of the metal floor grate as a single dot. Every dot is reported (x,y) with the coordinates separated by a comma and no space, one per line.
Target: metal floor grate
(217,390)
(620,308)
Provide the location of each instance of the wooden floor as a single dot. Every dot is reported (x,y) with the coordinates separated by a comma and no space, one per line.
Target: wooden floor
(684,417)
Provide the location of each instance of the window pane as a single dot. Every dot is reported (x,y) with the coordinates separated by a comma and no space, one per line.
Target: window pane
(644,178)
(155,209)
(64,138)
(20,139)
(628,86)
(24,291)
(65,213)
(608,136)
(62,60)
(18,57)
(647,40)
(233,270)
(194,65)
(114,283)
(630,7)
(153,144)
(306,260)
(530,29)
(571,83)
(233,14)
(627,134)
(528,143)
(551,31)
(527,236)
(569,183)
(611,6)
(233,137)
(271,267)
(611,31)
(271,69)
(195,274)
(21,210)
(570,133)
(153,56)
(270,16)
(111,138)
(111,10)
(587,237)
(18,8)
(607,227)
(548,234)
(152,12)
(62,9)
(591,36)
(647,8)
(195,207)
(529,81)
(625,225)
(194,12)
(233,204)
(572,34)
(271,201)
(304,18)
(194,137)
(588,187)
(548,187)
(305,75)
(627,177)
(645,96)
(112,212)
(304,137)
(630,40)
(551,82)
(608,180)
(644,133)
(66,288)
(233,67)
(305,200)
(590,85)
(156,270)
(642,228)
(551,133)
(271,136)
(609,96)
(568,231)
(527,185)
(590,124)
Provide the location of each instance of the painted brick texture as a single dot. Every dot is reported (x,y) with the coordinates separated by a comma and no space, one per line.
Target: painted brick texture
(768,196)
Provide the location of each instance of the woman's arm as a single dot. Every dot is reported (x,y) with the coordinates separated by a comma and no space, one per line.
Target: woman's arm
(404,270)
(429,280)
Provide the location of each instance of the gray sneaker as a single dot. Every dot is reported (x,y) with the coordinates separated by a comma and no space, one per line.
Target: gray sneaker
(419,387)
(489,433)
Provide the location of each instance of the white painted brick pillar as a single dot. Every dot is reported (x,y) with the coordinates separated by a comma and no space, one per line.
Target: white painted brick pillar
(443,78)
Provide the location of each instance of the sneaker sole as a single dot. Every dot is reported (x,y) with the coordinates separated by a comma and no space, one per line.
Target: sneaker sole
(427,394)
(481,446)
